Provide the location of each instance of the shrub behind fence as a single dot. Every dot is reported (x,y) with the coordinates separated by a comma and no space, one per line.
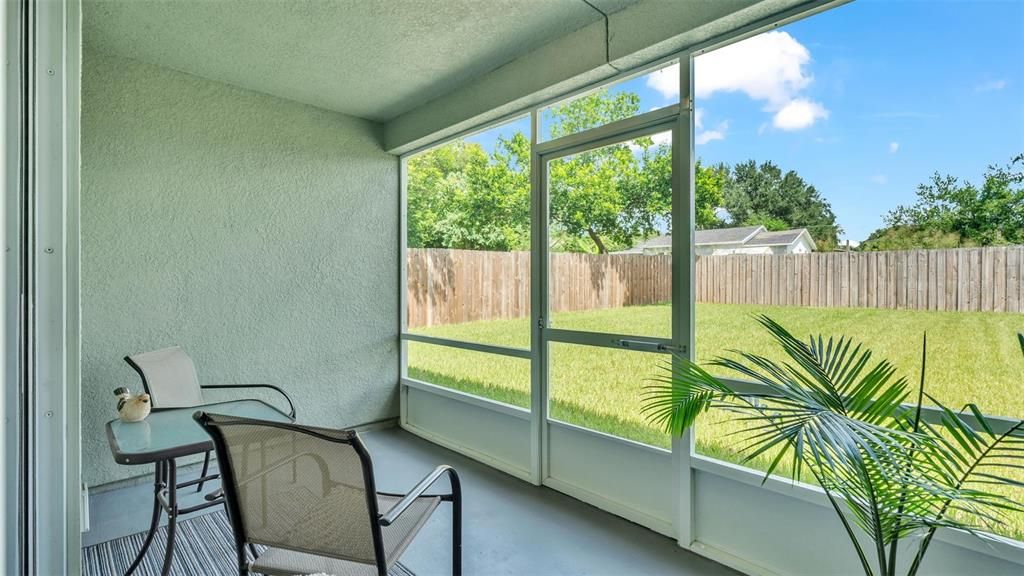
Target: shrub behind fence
(454,286)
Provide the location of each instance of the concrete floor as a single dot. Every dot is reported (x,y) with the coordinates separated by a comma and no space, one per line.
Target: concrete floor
(510,527)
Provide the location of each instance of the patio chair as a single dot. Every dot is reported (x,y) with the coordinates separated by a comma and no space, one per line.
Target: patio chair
(327,518)
(169,377)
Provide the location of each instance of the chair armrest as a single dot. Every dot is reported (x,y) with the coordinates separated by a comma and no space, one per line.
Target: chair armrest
(291,406)
(402,505)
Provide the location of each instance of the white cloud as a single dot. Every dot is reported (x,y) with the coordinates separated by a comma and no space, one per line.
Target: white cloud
(893,147)
(718,133)
(772,68)
(990,86)
(704,136)
(768,67)
(662,138)
(659,139)
(665,81)
(798,114)
(880,179)
(709,136)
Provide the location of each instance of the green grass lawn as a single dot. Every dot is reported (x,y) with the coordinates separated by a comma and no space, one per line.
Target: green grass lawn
(972,357)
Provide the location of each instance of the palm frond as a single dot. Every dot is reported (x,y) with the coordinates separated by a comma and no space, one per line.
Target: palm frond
(674,402)
(843,418)
(977,459)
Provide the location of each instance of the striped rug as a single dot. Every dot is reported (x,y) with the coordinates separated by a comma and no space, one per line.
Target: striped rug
(203,545)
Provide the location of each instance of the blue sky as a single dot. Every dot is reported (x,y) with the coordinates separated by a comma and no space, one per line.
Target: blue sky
(864,101)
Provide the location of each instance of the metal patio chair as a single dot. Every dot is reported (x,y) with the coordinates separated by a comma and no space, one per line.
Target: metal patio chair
(325,516)
(169,377)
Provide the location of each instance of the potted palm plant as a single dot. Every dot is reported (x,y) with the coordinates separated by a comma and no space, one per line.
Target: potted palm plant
(891,469)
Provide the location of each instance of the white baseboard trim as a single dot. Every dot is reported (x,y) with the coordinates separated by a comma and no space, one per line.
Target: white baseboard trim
(469,452)
(663,527)
(727,559)
(84,504)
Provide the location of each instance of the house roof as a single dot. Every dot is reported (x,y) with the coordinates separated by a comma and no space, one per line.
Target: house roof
(703,237)
(743,235)
(779,238)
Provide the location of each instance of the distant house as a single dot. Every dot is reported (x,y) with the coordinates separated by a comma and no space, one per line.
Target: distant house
(743,240)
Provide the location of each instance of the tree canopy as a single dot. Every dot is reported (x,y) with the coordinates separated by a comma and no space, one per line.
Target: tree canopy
(461,197)
(762,194)
(601,200)
(949,213)
(612,195)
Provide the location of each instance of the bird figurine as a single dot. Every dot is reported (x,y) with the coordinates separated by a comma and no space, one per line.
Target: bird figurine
(132,408)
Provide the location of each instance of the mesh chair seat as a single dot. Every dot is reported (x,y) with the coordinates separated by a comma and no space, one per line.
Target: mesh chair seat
(282,562)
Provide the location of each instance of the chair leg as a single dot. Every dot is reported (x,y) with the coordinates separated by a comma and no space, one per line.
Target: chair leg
(240,549)
(243,564)
(456,487)
(206,468)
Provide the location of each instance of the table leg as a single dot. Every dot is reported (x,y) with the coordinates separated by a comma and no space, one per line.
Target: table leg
(206,468)
(154,523)
(172,514)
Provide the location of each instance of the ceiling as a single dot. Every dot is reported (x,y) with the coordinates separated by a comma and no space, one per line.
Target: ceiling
(374,59)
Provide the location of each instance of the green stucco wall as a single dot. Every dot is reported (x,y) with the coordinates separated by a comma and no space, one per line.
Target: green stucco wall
(257,233)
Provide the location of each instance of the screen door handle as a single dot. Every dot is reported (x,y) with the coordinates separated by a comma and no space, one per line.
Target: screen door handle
(650,346)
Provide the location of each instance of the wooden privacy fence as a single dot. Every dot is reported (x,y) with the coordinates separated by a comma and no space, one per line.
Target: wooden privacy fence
(963,279)
(454,286)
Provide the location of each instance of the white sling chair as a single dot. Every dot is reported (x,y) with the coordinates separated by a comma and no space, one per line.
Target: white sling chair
(169,377)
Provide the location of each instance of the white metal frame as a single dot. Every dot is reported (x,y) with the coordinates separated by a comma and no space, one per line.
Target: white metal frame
(674,118)
(684,301)
(654,122)
(685,460)
(44,278)
(11,117)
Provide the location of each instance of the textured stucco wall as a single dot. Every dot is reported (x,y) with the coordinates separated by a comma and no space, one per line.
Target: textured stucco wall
(255,232)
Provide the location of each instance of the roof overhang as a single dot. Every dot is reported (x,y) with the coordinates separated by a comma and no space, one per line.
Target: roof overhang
(647,32)
(425,70)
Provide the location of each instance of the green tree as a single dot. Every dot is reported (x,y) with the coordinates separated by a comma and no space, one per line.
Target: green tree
(461,197)
(950,213)
(614,195)
(764,195)
(600,200)
(709,182)
(912,238)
